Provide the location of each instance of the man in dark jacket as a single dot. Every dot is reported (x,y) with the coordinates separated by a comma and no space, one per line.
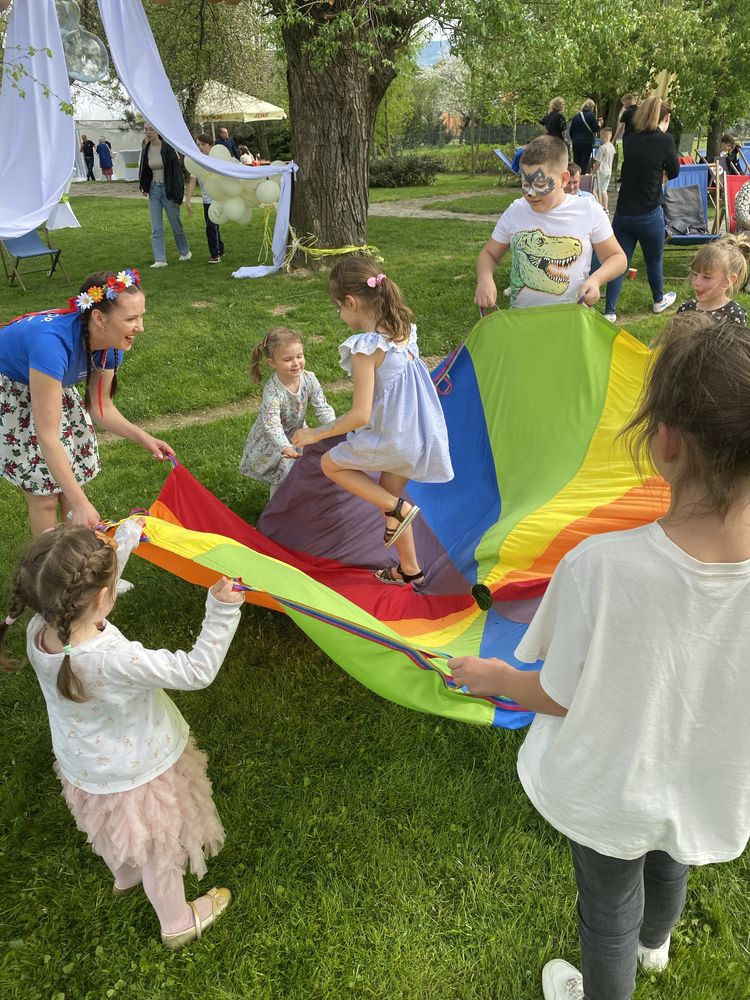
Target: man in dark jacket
(87,148)
(226,140)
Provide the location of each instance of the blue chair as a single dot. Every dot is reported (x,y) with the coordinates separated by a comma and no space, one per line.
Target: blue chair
(28,247)
(693,176)
(507,162)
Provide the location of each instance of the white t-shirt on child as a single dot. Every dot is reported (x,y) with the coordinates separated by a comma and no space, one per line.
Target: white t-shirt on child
(605,155)
(551,251)
(647,648)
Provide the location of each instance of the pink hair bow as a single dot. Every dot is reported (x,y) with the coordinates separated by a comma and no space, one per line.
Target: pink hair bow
(375,280)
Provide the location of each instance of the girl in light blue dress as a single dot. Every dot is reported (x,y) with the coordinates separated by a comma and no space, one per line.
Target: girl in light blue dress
(396,425)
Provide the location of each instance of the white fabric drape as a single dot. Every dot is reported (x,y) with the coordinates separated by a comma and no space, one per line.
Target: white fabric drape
(38,150)
(139,66)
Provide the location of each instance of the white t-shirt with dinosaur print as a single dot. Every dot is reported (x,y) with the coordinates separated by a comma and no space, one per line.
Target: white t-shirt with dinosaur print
(551,251)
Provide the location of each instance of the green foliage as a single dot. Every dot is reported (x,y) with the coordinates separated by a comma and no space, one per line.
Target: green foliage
(403,171)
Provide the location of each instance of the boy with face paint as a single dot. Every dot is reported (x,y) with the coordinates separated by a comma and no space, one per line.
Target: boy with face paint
(551,236)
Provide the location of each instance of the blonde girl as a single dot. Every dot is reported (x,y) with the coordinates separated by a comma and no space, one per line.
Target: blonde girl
(717,272)
(638,753)
(269,454)
(396,425)
(130,771)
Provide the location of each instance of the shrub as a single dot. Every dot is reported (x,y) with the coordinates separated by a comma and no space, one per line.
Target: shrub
(403,171)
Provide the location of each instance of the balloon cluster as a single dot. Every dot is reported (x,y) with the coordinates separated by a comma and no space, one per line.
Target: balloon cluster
(85,54)
(234,199)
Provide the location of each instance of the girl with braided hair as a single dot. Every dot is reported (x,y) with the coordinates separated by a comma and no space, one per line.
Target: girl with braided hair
(130,771)
(47,442)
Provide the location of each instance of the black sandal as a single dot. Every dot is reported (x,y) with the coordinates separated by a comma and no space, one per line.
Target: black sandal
(404,520)
(386,576)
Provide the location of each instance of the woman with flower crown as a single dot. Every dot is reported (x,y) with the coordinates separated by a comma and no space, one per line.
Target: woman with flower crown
(47,442)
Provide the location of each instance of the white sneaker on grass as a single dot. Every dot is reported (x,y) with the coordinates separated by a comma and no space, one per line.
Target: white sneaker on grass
(612,317)
(159,263)
(654,959)
(666,302)
(561,981)
(186,256)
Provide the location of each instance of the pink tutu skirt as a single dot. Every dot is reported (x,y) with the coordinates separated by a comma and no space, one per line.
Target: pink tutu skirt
(171,821)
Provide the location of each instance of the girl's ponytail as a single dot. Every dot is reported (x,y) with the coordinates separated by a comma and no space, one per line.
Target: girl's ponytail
(16,608)
(258,353)
(361,278)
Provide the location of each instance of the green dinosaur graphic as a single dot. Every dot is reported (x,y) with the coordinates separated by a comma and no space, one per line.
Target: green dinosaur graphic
(541,262)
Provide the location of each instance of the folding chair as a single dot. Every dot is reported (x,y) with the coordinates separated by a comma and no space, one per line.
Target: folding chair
(737,200)
(686,207)
(507,162)
(28,246)
(745,158)
(587,183)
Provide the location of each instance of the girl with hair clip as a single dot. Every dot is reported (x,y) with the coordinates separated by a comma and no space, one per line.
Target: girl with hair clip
(639,751)
(131,774)
(48,446)
(717,271)
(396,425)
(269,454)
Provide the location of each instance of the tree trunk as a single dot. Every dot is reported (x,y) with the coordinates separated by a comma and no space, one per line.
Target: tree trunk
(332,115)
(713,142)
(261,131)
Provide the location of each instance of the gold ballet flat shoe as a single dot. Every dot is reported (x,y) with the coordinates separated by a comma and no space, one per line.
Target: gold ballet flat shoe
(220,900)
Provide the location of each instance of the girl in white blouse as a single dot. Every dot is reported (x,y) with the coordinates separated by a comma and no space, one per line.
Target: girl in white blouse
(131,773)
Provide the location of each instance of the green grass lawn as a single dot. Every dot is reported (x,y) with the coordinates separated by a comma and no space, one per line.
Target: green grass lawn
(374,852)
(444,184)
(479,204)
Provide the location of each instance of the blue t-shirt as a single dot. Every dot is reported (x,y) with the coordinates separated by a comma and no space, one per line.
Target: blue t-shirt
(51,343)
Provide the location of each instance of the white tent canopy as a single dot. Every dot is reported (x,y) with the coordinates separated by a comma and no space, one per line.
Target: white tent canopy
(219,103)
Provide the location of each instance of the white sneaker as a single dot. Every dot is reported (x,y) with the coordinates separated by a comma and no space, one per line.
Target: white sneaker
(654,959)
(506,292)
(186,256)
(612,317)
(159,263)
(561,981)
(666,302)
(123,586)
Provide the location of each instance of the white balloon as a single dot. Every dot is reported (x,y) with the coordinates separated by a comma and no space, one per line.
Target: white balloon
(231,187)
(234,209)
(268,192)
(216,212)
(213,187)
(195,169)
(246,217)
(278,163)
(249,196)
(220,152)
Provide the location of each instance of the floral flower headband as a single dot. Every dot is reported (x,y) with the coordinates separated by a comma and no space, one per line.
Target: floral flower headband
(109,290)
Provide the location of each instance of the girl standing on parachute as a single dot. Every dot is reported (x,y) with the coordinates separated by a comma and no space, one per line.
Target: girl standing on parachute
(130,771)
(396,425)
(639,750)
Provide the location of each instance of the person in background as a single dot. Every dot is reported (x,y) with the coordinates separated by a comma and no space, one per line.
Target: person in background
(213,233)
(602,168)
(104,152)
(246,156)
(733,152)
(574,184)
(583,130)
(226,140)
(554,121)
(625,121)
(87,148)
(648,155)
(161,179)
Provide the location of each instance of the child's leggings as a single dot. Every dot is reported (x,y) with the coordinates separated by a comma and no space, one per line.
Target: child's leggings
(166,893)
(619,904)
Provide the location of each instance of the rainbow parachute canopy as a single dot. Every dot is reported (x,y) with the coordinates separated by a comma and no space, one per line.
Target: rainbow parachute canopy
(534,401)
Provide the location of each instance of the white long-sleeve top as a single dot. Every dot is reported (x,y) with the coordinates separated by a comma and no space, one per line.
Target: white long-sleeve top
(128,731)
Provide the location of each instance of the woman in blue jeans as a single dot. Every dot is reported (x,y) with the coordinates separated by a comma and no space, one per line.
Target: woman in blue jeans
(161,178)
(649,153)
